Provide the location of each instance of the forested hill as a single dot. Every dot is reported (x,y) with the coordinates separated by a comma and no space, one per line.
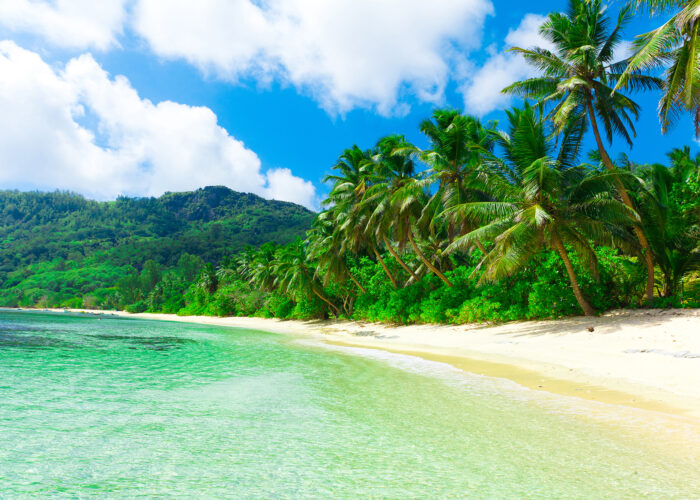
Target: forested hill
(60,245)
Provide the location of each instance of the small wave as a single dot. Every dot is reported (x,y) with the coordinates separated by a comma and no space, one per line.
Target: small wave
(492,389)
(421,366)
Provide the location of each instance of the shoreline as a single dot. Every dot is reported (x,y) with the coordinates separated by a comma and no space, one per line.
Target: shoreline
(647,359)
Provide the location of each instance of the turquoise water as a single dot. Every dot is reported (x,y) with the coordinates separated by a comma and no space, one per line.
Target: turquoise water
(121,407)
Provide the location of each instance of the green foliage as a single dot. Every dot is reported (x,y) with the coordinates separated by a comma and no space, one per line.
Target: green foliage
(540,290)
(486,225)
(61,250)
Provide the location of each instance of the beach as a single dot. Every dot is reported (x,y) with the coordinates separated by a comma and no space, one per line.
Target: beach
(648,359)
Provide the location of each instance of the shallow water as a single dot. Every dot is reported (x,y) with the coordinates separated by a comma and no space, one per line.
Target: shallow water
(124,407)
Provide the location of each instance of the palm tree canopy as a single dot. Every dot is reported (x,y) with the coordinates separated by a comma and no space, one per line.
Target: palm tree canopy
(674,45)
(294,274)
(458,144)
(673,237)
(350,181)
(544,197)
(581,70)
(326,248)
(394,189)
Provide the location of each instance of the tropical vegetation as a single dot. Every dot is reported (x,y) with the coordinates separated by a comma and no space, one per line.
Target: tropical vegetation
(59,249)
(489,222)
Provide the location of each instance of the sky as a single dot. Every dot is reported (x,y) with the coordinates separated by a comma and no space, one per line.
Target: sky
(141,97)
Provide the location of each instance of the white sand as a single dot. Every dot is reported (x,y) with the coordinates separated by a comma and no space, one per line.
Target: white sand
(646,358)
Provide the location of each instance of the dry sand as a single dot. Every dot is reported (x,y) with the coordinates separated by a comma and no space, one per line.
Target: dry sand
(646,359)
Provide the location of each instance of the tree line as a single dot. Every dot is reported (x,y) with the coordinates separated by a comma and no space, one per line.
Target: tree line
(501,196)
(493,221)
(60,250)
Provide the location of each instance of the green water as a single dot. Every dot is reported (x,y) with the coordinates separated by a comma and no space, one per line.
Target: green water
(119,407)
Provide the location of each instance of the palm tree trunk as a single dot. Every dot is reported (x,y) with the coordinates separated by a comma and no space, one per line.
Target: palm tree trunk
(480,246)
(669,288)
(559,246)
(425,261)
(336,311)
(387,243)
(646,250)
(354,280)
(386,269)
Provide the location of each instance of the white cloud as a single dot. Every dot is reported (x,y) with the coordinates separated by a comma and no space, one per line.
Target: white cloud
(482,91)
(346,53)
(67,23)
(283,185)
(527,35)
(137,147)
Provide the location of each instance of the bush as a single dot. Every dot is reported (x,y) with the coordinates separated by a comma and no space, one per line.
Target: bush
(137,307)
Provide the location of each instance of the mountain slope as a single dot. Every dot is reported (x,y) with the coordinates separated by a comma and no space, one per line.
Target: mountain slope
(54,246)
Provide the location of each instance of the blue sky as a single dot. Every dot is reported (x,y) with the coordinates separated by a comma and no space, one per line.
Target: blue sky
(139,97)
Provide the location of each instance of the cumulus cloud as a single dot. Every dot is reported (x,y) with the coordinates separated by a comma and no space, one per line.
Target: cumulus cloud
(67,23)
(283,185)
(345,53)
(78,129)
(482,90)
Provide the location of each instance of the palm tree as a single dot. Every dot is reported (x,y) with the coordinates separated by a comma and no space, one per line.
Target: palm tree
(208,280)
(689,191)
(346,197)
(686,165)
(387,171)
(457,145)
(243,259)
(228,269)
(673,44)
(673,236)
(435,245)
(325,249)
(351,181)
(578,79)
(544,201)
(295,274)
(398,198)
(260,270)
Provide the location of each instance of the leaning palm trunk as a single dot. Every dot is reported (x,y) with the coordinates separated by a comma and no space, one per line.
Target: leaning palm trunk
(354,280)
(669,289)
(428,264)
(646,250)
(336,311)
(398,258)
(559,247)
(386,269)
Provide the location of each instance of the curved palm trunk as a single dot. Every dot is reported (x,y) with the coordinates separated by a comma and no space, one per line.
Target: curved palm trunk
(336,311)
(387,243)
(386,269)
(354,280)
(646,250)
(425,261)
(668,289)
(559,246)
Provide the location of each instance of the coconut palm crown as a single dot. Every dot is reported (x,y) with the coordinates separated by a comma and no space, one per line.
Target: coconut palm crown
(673,45)
(545,201)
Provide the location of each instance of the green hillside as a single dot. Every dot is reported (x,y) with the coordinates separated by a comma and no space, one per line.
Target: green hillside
(60,249)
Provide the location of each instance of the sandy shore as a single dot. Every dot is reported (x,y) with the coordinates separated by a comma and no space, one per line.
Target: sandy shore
(647,359)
